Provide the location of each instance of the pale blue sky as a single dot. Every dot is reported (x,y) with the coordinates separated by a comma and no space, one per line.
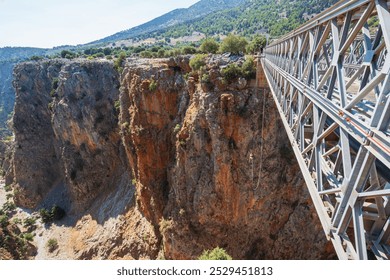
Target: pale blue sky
(48,23)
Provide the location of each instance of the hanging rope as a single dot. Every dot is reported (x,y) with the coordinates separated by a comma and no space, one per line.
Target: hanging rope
(262,129)
(262,141)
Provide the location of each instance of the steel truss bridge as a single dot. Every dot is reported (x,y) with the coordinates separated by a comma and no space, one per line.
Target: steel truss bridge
(330,81)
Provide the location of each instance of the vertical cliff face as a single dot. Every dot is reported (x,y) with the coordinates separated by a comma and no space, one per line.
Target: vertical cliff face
(236,184)
(85,126)
(207,162)
(66,131)
(36,166)
(153,99)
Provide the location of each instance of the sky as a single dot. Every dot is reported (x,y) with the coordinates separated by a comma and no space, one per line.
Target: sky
(49,23)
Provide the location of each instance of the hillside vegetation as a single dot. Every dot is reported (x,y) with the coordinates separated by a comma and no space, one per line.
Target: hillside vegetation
(252,16)
(196,11)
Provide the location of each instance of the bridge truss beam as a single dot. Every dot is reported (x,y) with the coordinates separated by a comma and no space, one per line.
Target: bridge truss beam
(330,81)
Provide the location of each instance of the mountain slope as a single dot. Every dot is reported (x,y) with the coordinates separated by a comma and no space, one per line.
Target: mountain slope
(198,10)
(252,16)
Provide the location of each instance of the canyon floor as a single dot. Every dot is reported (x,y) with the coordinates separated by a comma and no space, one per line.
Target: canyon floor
(43,233)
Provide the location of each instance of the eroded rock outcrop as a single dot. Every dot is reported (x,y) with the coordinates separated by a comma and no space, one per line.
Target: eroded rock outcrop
(166,161)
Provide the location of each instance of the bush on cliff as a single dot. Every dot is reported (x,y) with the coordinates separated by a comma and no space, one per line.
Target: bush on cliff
(197,62)
(231,72)
(209,46)
(153,85)
(215,254)
(249,68)
(119,61)
(52,244)
(55,213)
(233,44)
(258,42)
(189,50)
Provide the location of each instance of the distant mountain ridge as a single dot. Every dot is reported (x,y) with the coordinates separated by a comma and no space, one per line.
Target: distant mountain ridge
(198,10)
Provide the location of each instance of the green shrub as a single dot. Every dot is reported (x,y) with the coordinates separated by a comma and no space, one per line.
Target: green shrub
(21,246)
(146,54)
(161,53)
(174,52)
(68,54)
(17,221)
(55,213)
(7,188)
(99,54)
(107,51)
(45,215)
(215,254)
(177,128)
(153,85)
(29,222)
(54,86)
(197,62)
(8,138)
(4,222)
(9,206)
(119,61)
(50,106)
(189,50)
(231,72)
(209,46)
(8,196)
(28,236)
(233,44)
(205,78)
(249,68)
(52,244)
(36,58)
(117,105)
(258,41)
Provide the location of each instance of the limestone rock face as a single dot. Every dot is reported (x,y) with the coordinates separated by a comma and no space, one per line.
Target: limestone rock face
(66,131)
(36,165)
(85,125)
(152,100)
(229,190)
(160,162)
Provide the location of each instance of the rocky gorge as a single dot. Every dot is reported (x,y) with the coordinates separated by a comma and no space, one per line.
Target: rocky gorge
(158,161)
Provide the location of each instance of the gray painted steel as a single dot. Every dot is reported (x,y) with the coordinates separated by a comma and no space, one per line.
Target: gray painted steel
(330,81)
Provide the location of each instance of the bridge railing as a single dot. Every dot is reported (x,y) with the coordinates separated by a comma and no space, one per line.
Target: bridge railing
(330,80)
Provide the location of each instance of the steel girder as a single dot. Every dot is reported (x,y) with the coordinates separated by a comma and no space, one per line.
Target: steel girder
(330,81)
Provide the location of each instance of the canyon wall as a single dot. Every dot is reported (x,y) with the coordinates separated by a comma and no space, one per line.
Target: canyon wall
(183,162)
(66,133)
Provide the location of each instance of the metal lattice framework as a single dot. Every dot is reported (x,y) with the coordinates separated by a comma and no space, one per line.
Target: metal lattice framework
(330,81)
